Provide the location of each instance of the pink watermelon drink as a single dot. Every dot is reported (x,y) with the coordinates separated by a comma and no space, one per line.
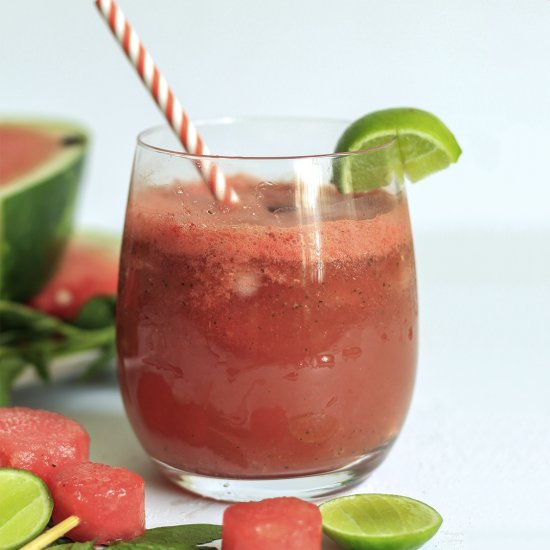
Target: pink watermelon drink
(268,341)
(236,361)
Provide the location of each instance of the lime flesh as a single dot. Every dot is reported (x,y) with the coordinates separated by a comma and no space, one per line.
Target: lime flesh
(381,522)
(25,507)
(422,145)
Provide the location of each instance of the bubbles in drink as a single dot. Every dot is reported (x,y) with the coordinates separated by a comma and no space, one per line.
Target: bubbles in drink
(287,215)
(313,427)
(352,353)
(246,284)
(260,191)
(326,360)
(362,207)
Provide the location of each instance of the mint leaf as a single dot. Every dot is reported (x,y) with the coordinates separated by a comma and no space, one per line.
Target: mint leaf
(73,546)
(10,368)
(25,323)
(177,537)
(31,338)
(100,364)
(98,312)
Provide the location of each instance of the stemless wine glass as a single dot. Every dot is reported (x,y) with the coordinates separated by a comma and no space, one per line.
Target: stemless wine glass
(266,348)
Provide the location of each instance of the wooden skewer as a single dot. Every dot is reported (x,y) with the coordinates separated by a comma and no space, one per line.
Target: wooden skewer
(51,535)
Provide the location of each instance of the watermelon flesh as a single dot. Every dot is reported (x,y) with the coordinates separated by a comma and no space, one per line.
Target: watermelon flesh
(42,442)
(272,524)
(109,502)
(24,149)
(88,268)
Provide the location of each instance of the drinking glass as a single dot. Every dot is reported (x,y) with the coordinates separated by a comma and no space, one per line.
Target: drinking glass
(269,347)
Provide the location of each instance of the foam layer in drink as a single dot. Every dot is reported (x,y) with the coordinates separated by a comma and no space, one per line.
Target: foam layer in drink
(270,223)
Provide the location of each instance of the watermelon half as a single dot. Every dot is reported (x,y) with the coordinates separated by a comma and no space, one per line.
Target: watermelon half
(40,167)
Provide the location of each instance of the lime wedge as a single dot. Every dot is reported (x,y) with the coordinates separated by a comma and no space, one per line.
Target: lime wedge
(405,140)
(381,522)
(25,507)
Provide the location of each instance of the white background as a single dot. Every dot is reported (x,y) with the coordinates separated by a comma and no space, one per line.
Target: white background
(477,441)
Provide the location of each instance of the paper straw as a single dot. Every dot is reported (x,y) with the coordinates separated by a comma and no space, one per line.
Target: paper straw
(165,99)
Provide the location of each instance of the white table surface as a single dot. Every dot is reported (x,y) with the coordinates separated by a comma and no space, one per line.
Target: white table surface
(476,444)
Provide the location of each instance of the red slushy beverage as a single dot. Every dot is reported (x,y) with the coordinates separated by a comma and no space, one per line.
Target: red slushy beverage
(269,340)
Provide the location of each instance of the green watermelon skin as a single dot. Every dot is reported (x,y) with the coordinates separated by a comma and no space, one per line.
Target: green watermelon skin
(36,221)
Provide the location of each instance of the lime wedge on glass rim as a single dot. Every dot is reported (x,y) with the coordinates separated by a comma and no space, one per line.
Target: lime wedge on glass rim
(25,507)
(406,141)
(381,522)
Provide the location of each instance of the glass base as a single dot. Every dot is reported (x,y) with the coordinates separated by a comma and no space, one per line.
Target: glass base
(306,487)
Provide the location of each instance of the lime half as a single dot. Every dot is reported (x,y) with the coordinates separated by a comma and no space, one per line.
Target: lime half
(381,522)
(25,507)
(405,140)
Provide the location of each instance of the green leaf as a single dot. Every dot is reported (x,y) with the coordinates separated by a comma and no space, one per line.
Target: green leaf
(7,336)
(101,363)
(10,368)
(73,546)
(99,312)
(31,338)
(177,537)
(39,358)
(27,321)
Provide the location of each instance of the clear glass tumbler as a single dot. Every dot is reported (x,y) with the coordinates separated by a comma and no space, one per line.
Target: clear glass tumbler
(267,348)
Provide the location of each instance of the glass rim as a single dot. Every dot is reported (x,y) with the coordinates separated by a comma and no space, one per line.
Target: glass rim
(227,120)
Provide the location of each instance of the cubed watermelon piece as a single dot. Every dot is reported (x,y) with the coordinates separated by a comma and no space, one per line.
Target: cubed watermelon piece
(272,524)
(109,502)
(41,441)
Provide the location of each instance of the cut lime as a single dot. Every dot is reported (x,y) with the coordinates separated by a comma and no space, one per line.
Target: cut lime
(405,140)
(25,507)
(381,522)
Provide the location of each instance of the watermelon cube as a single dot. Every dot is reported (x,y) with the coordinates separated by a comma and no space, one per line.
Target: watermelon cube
(109,502)
(272,524)
(41,441)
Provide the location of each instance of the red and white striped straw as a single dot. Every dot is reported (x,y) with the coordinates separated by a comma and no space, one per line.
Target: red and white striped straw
(165,99)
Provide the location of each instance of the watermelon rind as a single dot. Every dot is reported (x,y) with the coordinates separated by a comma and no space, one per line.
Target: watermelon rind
(37,210)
